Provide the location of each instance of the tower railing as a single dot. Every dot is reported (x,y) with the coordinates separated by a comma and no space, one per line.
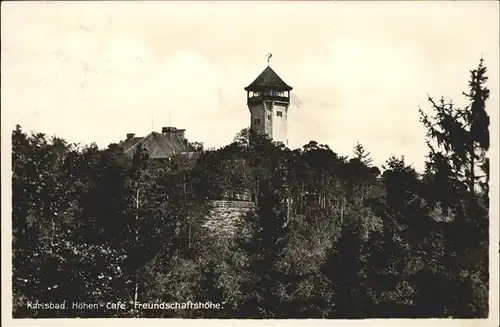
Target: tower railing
(259,98)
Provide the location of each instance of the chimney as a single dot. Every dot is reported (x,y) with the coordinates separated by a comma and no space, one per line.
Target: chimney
(168,129)
(173,131)
(181,133)
(130,135)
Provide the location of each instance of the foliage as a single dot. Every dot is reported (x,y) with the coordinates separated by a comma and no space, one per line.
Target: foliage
(328,236)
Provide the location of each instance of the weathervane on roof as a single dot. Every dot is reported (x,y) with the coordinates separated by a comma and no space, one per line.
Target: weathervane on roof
(269,55)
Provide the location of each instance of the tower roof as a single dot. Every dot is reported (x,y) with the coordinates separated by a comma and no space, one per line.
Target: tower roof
(268,79)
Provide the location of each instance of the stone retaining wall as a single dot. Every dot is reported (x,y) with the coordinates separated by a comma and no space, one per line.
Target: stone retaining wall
(225,215)
(233,204)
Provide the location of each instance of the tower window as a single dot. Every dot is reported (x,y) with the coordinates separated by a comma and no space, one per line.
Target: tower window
(256,121)
(279,113)
(268,116)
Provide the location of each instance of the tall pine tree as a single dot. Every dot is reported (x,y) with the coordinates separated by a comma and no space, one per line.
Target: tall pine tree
(458,168)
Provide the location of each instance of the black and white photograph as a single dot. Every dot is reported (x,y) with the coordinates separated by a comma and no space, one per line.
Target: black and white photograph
(292,162)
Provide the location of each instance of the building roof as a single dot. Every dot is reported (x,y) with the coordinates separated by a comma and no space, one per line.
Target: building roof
(159,145)
(268,79)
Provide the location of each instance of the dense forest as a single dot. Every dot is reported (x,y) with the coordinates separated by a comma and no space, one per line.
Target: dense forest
(331,236)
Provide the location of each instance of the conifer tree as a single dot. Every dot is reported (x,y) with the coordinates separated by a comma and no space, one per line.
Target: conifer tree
(362,155)
(457,167)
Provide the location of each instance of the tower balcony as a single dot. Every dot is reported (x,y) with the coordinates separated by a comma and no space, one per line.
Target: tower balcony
(259,97)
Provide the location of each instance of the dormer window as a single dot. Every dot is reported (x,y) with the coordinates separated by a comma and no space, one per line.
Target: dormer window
(279,113)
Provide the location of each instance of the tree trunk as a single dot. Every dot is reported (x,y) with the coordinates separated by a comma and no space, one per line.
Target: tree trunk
(288,210)
(136,291)
(189,237)
(301,199)
(472,172)
(52,234)
(184,184)
(342,211)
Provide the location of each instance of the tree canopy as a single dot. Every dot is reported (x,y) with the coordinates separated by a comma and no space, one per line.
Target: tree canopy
(330,236)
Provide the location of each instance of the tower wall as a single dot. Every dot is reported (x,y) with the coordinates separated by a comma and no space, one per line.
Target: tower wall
(270,118)
(260,121)
(280,122)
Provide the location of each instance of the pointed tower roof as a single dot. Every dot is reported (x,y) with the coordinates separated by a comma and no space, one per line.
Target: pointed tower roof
(268,79)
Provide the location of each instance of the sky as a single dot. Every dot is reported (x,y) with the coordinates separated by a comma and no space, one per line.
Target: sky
(95,71)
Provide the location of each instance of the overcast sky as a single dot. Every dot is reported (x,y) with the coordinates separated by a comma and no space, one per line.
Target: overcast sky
(96,71)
